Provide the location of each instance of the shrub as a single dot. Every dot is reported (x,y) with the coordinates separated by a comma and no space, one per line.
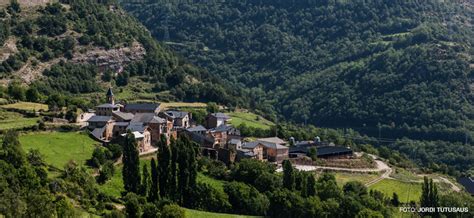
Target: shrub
(172,211)
(246,199)
(208,198)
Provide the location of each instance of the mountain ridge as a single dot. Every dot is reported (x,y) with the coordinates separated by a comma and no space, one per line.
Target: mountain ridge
(77,47)
(377,58)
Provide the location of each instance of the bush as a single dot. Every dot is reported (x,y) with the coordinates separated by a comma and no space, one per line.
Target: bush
(248,169)
(150,211)
(116,150)
(246,199)
(106,172)
(132,205)
(213,168)
(208,198)
(99,156)
(172,211)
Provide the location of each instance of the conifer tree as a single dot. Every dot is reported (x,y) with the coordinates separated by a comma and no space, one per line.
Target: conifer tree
(131,164)
(429,195)
(288,175)
(311,186)
(153,194)
(425,193)
(183,170)
(395,200)
(192,162)
(173,185)
(145,186)
(164,170)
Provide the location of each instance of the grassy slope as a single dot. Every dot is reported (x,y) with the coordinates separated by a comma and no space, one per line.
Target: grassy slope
(250,119)
(27,106)
(204,214)
(183,105)
(12,120)
(60,147)
(114,186)
(136,90)
(343,178)
(406,191)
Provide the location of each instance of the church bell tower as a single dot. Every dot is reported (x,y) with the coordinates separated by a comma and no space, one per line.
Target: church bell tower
(110,96)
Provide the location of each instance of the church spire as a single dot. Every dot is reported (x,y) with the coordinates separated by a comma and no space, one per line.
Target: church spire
(110,96)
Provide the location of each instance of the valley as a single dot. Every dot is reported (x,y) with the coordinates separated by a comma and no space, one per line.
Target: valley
(236,108)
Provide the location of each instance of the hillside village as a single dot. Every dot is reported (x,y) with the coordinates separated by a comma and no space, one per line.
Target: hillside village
(248,109)
(111,121)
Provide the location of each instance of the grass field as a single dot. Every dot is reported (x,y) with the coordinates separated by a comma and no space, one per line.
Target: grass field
(13,120)
(203,214)
(250,119)
(60,147)
(343,178)
(114,186)
(406,191)
(166,105)
(27,106)
(404,175)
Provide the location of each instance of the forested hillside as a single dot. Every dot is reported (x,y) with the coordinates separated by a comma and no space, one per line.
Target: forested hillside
(84,46)
(402,65)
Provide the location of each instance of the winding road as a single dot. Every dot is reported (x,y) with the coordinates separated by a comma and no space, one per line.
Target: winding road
(381,166)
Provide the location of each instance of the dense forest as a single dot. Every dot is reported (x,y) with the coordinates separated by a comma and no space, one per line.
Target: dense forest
(403,64)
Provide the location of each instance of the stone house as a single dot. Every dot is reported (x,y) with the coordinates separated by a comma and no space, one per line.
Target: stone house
(111,121)
(135,108)
(271,149)
(214,120)
(181,119)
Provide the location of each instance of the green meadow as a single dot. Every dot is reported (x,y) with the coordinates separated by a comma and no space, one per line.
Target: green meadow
(203,214)
(343,178)
(249,119)
(406,191)
(14,120)
(58,148)
(26,106)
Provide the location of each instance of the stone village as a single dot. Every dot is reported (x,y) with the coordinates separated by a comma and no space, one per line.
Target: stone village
(111,121)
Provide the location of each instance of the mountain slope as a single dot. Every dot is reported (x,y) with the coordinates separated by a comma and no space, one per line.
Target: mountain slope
(399,64)
(83,46)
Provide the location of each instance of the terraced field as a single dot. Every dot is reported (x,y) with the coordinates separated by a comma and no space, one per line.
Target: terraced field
(406,191)
(343,178)
(26,106)
(13,120)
